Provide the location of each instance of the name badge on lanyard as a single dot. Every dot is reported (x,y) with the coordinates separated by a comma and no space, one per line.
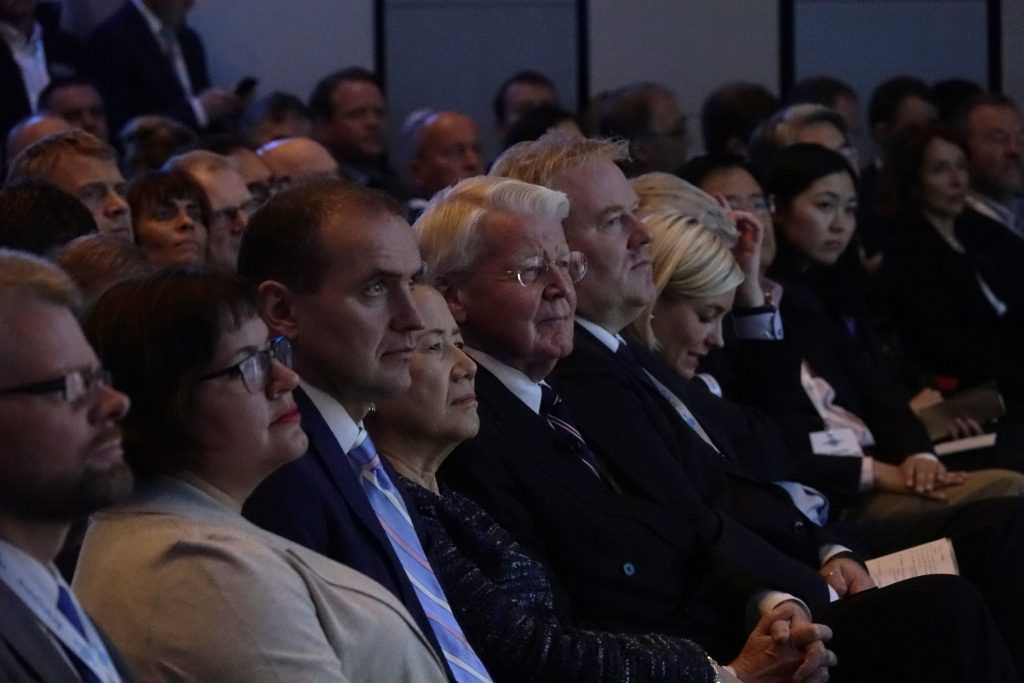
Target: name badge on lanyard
(92,654)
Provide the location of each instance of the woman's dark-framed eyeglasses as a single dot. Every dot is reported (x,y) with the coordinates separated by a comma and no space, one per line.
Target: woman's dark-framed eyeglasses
(72,387)
(255,369)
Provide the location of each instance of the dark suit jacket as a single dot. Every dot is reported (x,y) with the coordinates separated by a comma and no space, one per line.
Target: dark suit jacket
(28,654)
(997,253)
(947,325)
(317,501)
(853,364)
(134,74)
(651,559)
(63,58)
(618,406)
(753,440)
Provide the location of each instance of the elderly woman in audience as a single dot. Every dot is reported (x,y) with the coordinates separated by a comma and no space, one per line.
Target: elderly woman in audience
(846,384)
(185,586)
(956,331)
(508,603)
(170,216)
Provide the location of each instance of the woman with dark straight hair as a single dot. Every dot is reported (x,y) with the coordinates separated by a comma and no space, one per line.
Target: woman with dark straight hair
(847,384)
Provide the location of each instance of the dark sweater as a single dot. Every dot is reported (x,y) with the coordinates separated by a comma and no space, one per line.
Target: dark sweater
(517,619)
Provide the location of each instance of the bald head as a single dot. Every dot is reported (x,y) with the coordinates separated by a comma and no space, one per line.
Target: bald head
(33,129)
(295,161)
(447,151)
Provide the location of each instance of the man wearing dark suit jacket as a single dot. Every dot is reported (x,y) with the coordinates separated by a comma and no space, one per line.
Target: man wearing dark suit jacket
(146,60)
(33,50)
(335,264)
(621,414)
(61,460)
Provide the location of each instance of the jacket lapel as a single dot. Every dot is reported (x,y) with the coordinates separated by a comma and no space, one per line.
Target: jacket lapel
(155,59)
(325,449)
(28,638)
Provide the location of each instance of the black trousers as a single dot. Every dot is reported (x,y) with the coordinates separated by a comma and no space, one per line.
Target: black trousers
(933,628)
(988,536)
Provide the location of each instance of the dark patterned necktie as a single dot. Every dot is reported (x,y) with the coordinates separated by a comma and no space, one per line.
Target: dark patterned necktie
(554,410)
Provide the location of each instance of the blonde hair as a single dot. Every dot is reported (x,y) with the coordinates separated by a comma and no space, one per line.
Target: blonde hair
(666,192)
(449,229)
(539,161)
(690,262)
(40,158)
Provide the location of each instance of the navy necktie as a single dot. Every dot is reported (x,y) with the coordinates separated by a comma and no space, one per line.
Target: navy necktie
(554,410)
(391,511)
(66,606)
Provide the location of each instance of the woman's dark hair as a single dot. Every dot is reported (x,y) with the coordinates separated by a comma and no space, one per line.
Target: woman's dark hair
(157,334)
(841,286)
(900,185)
(154,188)
(797,167)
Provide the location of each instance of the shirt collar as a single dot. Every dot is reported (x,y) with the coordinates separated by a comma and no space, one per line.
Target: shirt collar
(347,431)
(44,580)
(155,25)
(612,341)
(525,389)
(16,40)
(991,208)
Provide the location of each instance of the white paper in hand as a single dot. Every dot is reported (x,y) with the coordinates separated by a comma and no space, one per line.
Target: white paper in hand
(937,557)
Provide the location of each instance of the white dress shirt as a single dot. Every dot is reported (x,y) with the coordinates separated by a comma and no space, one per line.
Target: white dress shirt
(347,432)
(30,56)
(45,581)
(167,39)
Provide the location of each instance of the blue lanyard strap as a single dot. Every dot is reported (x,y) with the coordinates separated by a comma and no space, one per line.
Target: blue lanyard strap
(90,652)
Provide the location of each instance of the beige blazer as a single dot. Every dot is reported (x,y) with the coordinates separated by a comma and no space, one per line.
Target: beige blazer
(188,590)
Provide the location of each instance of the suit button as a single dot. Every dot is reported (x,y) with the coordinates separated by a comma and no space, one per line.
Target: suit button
(798,525)
(629,569)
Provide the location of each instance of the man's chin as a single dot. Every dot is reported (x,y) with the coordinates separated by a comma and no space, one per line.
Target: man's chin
(106,485)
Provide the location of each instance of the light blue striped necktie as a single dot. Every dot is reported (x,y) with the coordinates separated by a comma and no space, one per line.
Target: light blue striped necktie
(390,509)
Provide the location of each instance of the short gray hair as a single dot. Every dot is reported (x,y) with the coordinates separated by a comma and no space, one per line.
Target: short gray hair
(449,228)
(25,275)
(200,161)
(39,159)
(539,161)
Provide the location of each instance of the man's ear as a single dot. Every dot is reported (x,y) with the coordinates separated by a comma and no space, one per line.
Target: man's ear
(277,308)
(455,298)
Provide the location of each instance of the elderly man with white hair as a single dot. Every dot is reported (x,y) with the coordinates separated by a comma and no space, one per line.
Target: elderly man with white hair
(630,562)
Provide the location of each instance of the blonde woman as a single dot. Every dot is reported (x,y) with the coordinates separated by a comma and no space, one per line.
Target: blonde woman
(695,278)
